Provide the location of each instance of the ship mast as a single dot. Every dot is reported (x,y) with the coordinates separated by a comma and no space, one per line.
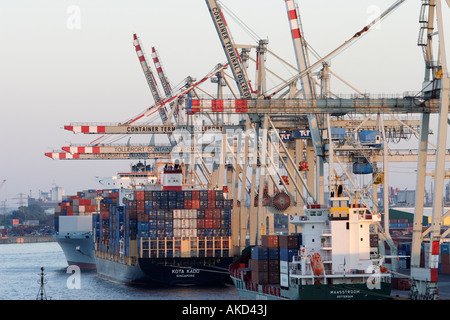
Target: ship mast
(42,294)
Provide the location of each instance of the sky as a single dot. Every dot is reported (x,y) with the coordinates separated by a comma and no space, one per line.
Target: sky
(74,61)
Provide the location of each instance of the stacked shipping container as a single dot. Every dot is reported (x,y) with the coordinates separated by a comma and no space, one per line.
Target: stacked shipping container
(162,216)
(83,204)
(269,263)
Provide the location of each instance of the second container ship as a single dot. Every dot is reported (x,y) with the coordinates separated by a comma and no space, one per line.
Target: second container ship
(164,233)
(335,257)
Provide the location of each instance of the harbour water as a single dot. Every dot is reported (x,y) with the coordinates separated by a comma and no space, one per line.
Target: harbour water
(20,268)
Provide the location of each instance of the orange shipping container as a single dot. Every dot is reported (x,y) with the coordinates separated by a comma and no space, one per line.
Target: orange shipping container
(195,204)
(269,241)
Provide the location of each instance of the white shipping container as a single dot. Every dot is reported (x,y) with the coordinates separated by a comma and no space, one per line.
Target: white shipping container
(185,223)
(177,232)
(284,267)
(184,233)
(177,214)
(193,224)
(176,223)
(75,223)
(192,232)
(185,213)
(284,280)
(193,213)
(81,208)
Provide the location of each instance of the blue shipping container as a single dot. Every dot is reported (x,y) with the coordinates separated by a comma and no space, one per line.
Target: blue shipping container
(273,253)
(260,253)
(287,254)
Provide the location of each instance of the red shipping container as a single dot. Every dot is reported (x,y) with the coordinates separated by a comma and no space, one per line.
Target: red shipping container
(260,277)
(209,213)
(445,269)
(216,223)
(209,223)
(289,242)
(273,277)
(140,205)
(200,223)
(142,217)
(188,204)
(274,265)
(216,213)
(196,195)
(212,195)
(269,241)
(258,265)
(140,195)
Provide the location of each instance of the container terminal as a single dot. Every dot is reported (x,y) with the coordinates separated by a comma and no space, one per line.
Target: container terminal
(298,151)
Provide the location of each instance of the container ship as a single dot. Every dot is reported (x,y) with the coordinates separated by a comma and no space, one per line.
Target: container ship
(73,228)
(73,216)
(335,257)
(164,233)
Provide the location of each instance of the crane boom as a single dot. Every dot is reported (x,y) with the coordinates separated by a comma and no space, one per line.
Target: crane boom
(165,84)
(162,76)
(300,49)
(239,73)
(149,77)
(306,80)
(339,49)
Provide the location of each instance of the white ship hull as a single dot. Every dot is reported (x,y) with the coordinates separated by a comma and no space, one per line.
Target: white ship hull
(78,248)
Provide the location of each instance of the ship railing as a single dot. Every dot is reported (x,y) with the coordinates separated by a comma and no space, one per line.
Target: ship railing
(326,245)
(193,247)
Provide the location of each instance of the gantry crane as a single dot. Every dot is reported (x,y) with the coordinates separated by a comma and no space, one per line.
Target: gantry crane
(436,84)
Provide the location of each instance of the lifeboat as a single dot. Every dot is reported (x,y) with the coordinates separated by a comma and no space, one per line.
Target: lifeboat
(316,264)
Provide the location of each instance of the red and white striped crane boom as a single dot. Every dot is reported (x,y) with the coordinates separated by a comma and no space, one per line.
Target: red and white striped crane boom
(174,108)
(149,77)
